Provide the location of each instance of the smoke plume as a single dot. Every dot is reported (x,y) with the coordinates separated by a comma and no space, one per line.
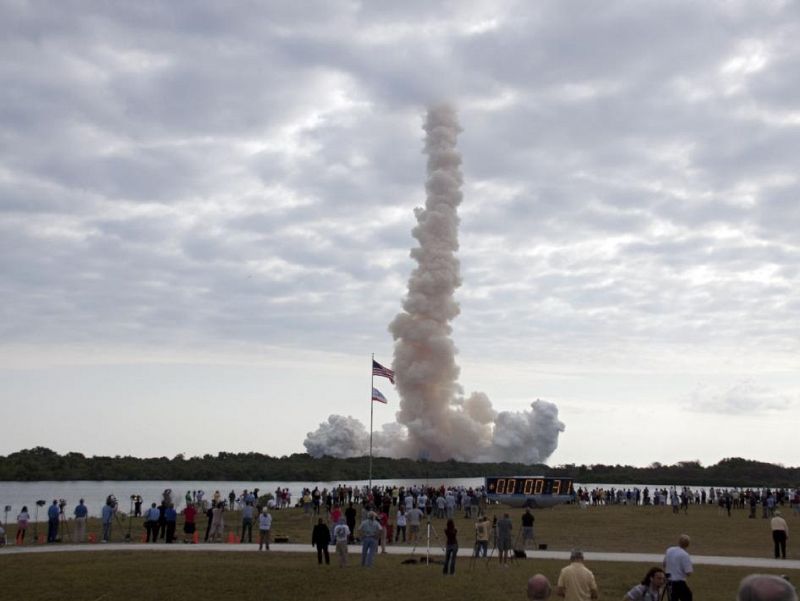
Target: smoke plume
(435,420)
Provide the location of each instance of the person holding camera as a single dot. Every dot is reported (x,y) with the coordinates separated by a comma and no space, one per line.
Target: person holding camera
(649,589)
(107,516)
(52,521)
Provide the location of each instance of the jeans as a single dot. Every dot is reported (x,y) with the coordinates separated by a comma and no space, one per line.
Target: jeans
(450,553)
(481,547)
(369,547)
(247,526)
(52,530)
(106,530)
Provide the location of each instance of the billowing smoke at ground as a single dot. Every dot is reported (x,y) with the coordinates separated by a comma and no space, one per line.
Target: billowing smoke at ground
(435,419)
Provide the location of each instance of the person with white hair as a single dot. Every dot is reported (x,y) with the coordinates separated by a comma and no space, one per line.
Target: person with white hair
(576,582)
(780,534)
(765,587)
(678,566)
(370,533)
(264,526)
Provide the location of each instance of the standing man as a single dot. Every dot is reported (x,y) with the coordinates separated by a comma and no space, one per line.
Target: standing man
(539,588)
(678,566)
(247,521)
(80,522)
(527,527)
(171,516)
(151,523)
(413,517)
(321,538)
(780,534)
(370,533)
(189,515)
(350,517)
(52,521)
(482,530)
(341,535)
(576,582)
(107,515)
(264,526)
(504,527)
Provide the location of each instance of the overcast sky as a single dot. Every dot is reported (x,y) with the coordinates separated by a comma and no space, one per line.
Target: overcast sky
(206,213)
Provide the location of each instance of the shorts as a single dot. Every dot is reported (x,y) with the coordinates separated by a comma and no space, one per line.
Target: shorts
(188,528)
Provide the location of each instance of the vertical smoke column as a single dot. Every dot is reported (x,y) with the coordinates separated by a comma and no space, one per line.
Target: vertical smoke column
(424,354)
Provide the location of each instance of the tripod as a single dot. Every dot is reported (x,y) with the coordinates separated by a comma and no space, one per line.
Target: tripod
(64,525)
(121,525)
(430,529)
(36,523)
(130,520)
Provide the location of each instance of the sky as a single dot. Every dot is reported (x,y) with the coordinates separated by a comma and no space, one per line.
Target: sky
(206,213)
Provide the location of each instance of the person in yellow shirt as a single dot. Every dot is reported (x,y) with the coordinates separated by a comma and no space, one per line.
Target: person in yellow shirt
(576,582)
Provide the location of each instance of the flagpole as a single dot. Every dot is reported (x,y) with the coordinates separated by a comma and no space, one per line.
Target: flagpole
(371,407)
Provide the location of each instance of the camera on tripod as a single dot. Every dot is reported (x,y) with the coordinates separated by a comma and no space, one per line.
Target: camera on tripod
(61,504)
(41,502)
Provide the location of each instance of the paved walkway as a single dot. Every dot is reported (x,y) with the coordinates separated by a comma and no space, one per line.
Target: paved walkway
(752,562)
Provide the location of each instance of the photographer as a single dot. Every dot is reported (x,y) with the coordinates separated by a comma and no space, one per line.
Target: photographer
(52,522)
(107,516)
(650,587)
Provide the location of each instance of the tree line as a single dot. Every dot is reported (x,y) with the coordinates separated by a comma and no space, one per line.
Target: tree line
(41,463)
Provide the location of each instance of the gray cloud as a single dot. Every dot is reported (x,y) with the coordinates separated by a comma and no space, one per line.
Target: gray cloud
(209,174)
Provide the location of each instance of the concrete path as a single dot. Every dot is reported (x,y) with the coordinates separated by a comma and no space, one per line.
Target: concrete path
(355,550)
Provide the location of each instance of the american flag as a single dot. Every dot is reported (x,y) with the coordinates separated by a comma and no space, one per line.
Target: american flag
(380,370)
(377,396)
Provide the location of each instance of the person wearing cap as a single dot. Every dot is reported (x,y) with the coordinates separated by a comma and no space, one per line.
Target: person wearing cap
(264,526)
(341,536)
(576,582)
(370,533)
(780,534)
(678,566)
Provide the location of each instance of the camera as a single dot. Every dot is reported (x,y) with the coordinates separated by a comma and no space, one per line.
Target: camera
(41,502)
(111,501)
(61,504)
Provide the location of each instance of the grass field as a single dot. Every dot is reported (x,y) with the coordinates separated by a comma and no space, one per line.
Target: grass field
(200,576)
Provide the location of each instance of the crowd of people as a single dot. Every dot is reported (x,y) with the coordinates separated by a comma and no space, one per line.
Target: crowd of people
(396,513)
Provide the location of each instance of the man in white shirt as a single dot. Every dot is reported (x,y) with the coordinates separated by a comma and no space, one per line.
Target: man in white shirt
(780,534)
(678,566)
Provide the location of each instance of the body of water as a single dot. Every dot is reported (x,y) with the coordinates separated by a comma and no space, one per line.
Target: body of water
(94,493)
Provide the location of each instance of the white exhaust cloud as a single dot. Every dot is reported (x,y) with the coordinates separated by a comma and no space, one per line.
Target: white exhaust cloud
(435,420)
